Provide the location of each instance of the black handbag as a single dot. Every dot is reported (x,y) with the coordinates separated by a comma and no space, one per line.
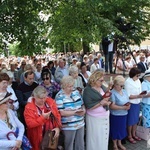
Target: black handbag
(48,141)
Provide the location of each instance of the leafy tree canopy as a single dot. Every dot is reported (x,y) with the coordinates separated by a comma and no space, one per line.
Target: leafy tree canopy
(70,22)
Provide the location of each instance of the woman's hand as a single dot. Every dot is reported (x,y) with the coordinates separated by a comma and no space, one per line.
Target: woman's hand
(127,107)
(105,102)
(57,131)
(141,95)
(80,112)
(46,115)
(18,145)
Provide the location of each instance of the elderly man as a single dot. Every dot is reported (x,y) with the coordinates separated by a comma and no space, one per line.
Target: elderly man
(24,91)
(61,71)
(142,66)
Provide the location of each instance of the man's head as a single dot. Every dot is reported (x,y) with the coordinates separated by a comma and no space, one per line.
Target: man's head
(99,55)
(142,57)
(61,63)
(29,77)
(91,57)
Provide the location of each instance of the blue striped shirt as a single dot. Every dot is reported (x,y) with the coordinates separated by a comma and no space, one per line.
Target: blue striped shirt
(73,102)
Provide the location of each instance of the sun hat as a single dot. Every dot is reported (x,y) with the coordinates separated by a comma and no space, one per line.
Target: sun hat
(4,97)
(147,73)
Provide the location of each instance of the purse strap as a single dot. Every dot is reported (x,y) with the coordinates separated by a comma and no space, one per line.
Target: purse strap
(54,119)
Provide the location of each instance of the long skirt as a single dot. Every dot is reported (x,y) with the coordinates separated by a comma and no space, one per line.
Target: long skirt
(133,114)
(118,125)
(97,132)
(146,115)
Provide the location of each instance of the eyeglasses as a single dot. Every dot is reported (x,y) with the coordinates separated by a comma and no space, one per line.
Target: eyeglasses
(45,78)
(101,80)
(5,102)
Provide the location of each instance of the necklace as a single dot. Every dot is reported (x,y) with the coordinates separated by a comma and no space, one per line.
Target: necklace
(4,120)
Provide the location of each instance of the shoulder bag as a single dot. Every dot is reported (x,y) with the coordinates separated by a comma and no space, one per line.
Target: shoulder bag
(48,141)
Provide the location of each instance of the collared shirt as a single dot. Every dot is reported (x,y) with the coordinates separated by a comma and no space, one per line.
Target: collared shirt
(73,102)
(119,100)
(110,47)
(133,88)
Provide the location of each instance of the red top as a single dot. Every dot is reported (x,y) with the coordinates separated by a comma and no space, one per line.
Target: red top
(35,122)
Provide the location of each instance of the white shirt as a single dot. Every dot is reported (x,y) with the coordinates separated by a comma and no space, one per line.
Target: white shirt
(133,88)
(14,98)
(94,67)
(110,47)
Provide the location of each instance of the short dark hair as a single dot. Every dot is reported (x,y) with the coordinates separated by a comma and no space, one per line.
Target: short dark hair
(82,64)
(28,72)
(46,72)
(4,76)
(49,63)
(95,59)
(133,72)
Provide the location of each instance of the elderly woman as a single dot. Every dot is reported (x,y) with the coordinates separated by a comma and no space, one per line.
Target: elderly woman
(71,108)
(51,86)
(97,114)
(37,117)
(73,71)
(133,88)
(84,74)
(146,99)
(5,81)
(9,123)
(118,113)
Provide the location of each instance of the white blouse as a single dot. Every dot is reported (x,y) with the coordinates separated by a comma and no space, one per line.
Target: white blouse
(133,88)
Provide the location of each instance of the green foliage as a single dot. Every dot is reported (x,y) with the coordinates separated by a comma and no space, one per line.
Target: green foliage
(91,20)
(70,23)
(19,21)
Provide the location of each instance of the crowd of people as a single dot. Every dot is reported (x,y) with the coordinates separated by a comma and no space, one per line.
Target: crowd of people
(89,110)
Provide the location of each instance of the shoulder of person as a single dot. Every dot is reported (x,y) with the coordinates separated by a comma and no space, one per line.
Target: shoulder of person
(59,95)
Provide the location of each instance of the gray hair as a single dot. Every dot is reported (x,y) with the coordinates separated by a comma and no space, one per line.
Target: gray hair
(66,80)
(73,69)
(39,91)
(28,67)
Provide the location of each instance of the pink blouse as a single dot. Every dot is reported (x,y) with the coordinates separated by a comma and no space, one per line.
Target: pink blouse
(99,111)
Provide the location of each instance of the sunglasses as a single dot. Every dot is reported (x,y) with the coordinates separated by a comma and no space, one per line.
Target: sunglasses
(122,86)
(138,75)
(45,78)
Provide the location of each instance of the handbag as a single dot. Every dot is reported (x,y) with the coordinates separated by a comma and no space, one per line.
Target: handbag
(25,142)
(142,132)
(48,141)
